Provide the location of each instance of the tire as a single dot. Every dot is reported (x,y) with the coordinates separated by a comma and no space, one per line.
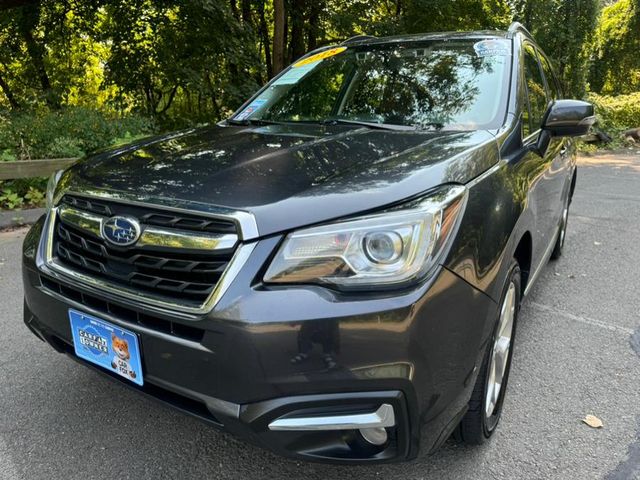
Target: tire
(477,425)
(557,249)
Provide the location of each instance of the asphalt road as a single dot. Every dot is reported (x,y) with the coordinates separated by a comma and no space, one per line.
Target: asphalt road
(577,353)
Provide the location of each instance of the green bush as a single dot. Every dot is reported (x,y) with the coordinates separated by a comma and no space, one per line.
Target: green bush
(65,133)
(69,132)
(65,147)
(617,113)
(22,193)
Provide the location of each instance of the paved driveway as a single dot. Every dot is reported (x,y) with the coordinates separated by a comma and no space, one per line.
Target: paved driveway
(577,353)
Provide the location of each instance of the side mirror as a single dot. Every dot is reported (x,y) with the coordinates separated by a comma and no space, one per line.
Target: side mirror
(564,118)
(568,118)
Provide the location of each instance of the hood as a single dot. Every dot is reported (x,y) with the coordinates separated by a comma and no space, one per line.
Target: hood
(287,176)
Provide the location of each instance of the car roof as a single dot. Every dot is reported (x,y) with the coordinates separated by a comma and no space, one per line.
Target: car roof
(514,28)
(475,35)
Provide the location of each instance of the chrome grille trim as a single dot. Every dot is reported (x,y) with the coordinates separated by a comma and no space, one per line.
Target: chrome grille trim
(151,236)
(86,221)
(245,221)
(48,264)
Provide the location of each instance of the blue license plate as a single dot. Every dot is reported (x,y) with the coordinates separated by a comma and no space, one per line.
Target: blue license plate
(107,345)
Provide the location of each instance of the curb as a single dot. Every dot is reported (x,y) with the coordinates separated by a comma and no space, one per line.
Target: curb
(16,218)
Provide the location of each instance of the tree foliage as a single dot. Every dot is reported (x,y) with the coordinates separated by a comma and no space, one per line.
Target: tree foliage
(184,62)
(563,28)
(616,49)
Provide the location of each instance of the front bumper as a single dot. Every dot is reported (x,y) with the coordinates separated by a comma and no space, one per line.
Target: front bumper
(239,366)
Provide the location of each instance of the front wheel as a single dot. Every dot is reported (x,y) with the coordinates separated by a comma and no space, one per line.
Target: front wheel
(557,249)
(485,406)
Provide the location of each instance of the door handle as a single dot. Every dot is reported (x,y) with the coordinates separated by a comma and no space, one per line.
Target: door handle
(564,150)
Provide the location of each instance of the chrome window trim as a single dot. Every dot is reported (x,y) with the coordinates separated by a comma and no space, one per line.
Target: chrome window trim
(150,236)
(46,259)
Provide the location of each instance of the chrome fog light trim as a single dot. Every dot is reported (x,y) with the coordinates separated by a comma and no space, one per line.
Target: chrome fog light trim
(384,416)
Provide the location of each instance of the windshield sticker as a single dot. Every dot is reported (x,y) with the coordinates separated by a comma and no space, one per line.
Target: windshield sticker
(252,107)
(319,56)
(492,48)
(294,75)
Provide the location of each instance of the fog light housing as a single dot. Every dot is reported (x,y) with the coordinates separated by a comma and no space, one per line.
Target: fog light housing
(375,436)
(333,427)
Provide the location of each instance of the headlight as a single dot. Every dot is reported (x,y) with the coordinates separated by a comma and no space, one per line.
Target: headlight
(389,248)
(51,188)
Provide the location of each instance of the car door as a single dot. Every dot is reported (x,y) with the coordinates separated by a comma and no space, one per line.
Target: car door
(562,148)
(547,174)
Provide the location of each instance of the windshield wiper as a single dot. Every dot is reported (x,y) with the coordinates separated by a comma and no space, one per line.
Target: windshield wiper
(430,126)
(381,126)
(339,121)
(252,121)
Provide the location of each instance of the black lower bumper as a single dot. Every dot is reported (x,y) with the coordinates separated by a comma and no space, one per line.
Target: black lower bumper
(251,421)
(239,367)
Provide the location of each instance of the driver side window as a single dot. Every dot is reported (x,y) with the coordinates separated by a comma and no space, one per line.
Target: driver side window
(536,93)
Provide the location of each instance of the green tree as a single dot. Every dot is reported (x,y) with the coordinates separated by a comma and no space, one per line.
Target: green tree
(187,62)
(563,28)
(434,15)
(616,49)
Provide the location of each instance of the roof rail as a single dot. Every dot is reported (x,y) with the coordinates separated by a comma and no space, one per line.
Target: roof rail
(357,38)
(518,27)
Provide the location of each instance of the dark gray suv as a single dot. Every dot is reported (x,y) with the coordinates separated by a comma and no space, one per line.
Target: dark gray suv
(334,273)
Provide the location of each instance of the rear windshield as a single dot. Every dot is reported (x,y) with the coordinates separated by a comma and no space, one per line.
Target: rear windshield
(438,84)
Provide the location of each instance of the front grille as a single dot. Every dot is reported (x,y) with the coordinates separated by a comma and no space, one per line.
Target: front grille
(167,272)
(147,216)
(125,314)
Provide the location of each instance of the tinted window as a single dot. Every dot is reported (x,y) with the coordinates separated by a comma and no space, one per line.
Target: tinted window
(455,85)
(535,91)
(551,79)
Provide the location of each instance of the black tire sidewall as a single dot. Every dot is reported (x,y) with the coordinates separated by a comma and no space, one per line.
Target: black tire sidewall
(559,246)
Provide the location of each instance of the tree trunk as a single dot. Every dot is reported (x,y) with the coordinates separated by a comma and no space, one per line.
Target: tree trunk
(234,9)
(279,38)
(313,25)
(8,93)
(246,12)
(296,47)
(29,20)
(528,16)
(169,101)
(264,33)
(212,96)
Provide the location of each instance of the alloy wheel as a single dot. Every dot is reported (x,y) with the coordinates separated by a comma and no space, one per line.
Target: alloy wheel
(500,351)
(563,231)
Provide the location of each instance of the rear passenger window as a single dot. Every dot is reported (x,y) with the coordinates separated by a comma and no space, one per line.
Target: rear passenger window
(551,78)
(535,90)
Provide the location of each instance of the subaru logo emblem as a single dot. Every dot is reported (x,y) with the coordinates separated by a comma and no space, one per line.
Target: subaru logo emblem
(121,231)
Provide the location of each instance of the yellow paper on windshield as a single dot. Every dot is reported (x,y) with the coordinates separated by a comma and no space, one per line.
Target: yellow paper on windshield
(319,56)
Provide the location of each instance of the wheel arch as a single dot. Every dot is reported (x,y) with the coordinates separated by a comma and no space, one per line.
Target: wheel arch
(522,254)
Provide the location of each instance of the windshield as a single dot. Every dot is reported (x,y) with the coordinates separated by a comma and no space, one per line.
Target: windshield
(436,84)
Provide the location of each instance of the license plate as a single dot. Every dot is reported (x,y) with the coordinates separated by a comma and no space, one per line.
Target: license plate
(107,345)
